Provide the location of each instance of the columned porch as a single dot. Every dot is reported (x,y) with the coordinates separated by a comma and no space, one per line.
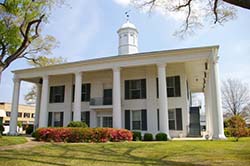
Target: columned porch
(194,72)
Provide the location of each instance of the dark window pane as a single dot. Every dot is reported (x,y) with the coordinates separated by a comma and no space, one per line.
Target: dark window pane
(135,94)
(107,122)
(85,117)
(170,92)
(171,124)
(170,82)
(85,92)
(57,94)
(136,125)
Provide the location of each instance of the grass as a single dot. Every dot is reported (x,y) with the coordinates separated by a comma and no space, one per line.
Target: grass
(12,140)
(173,153)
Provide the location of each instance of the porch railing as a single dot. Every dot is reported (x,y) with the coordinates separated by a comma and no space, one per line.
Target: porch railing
(97,101)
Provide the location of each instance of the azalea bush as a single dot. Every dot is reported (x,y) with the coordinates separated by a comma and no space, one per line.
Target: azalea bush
(78,134)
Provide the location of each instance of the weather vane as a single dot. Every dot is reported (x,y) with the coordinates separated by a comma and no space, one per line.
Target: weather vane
(127,15)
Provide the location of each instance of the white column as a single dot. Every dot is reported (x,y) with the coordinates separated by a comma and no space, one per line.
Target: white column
(77,98)
(207,109)
(217,115)
(117,120)
(210,110)
(163,101)
(43,118)
(14,107)
(38,104)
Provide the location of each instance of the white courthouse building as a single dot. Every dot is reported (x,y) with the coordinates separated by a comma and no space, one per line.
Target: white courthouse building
(148,92)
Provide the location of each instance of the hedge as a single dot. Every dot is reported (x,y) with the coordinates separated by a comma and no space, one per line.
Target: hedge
(82,134)
(137,136)
(148,137)
(77,124)
(161,137)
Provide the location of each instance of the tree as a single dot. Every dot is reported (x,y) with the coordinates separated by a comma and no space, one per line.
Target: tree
(194,13)
(236,126)
(41,61)
(235,96)
(20,29)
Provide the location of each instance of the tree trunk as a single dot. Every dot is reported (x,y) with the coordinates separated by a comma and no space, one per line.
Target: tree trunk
(241,3)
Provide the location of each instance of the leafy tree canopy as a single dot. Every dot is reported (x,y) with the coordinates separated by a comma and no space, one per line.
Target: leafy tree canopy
(20,29)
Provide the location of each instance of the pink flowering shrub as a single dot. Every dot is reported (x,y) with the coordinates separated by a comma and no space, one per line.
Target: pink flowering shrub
(83,134)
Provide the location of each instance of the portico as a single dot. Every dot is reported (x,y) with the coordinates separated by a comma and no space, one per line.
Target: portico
(196,67)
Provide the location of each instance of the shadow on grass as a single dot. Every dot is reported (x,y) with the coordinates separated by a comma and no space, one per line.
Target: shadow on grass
(90,154)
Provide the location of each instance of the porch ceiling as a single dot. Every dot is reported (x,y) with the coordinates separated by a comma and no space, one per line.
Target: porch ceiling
(196,74)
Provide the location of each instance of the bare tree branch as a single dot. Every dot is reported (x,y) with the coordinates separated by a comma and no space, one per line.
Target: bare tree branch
(215,11)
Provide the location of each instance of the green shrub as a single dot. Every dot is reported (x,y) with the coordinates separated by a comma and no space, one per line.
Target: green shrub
(148,137)
(136,136)
(227,132)
(77,124)
(29,129)
(34,134)
(161,137)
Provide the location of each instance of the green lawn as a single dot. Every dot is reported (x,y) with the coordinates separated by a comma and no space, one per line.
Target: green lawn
(12,140)
(181,153)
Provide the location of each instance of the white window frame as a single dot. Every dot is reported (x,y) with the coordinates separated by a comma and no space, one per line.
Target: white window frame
(174,119)
(135,89)
(101,119)
(131,120)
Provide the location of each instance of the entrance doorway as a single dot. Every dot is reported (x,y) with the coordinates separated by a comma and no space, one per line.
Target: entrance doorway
(194,126)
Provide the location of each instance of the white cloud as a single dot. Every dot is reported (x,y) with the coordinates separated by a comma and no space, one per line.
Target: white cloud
(123,3)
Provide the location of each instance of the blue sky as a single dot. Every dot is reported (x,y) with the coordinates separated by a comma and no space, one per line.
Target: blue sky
(87,29)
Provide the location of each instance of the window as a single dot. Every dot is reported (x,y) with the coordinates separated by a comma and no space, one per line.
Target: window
(8,114)
(20,114)
(171,119)
(85,117)
(174,119)
(57,94)
(26,115)
(173,86)
(85,92)
(136,119)
(105,121)
(55,119)
(7,122)
(107,96)
(85,96)
(135,89)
